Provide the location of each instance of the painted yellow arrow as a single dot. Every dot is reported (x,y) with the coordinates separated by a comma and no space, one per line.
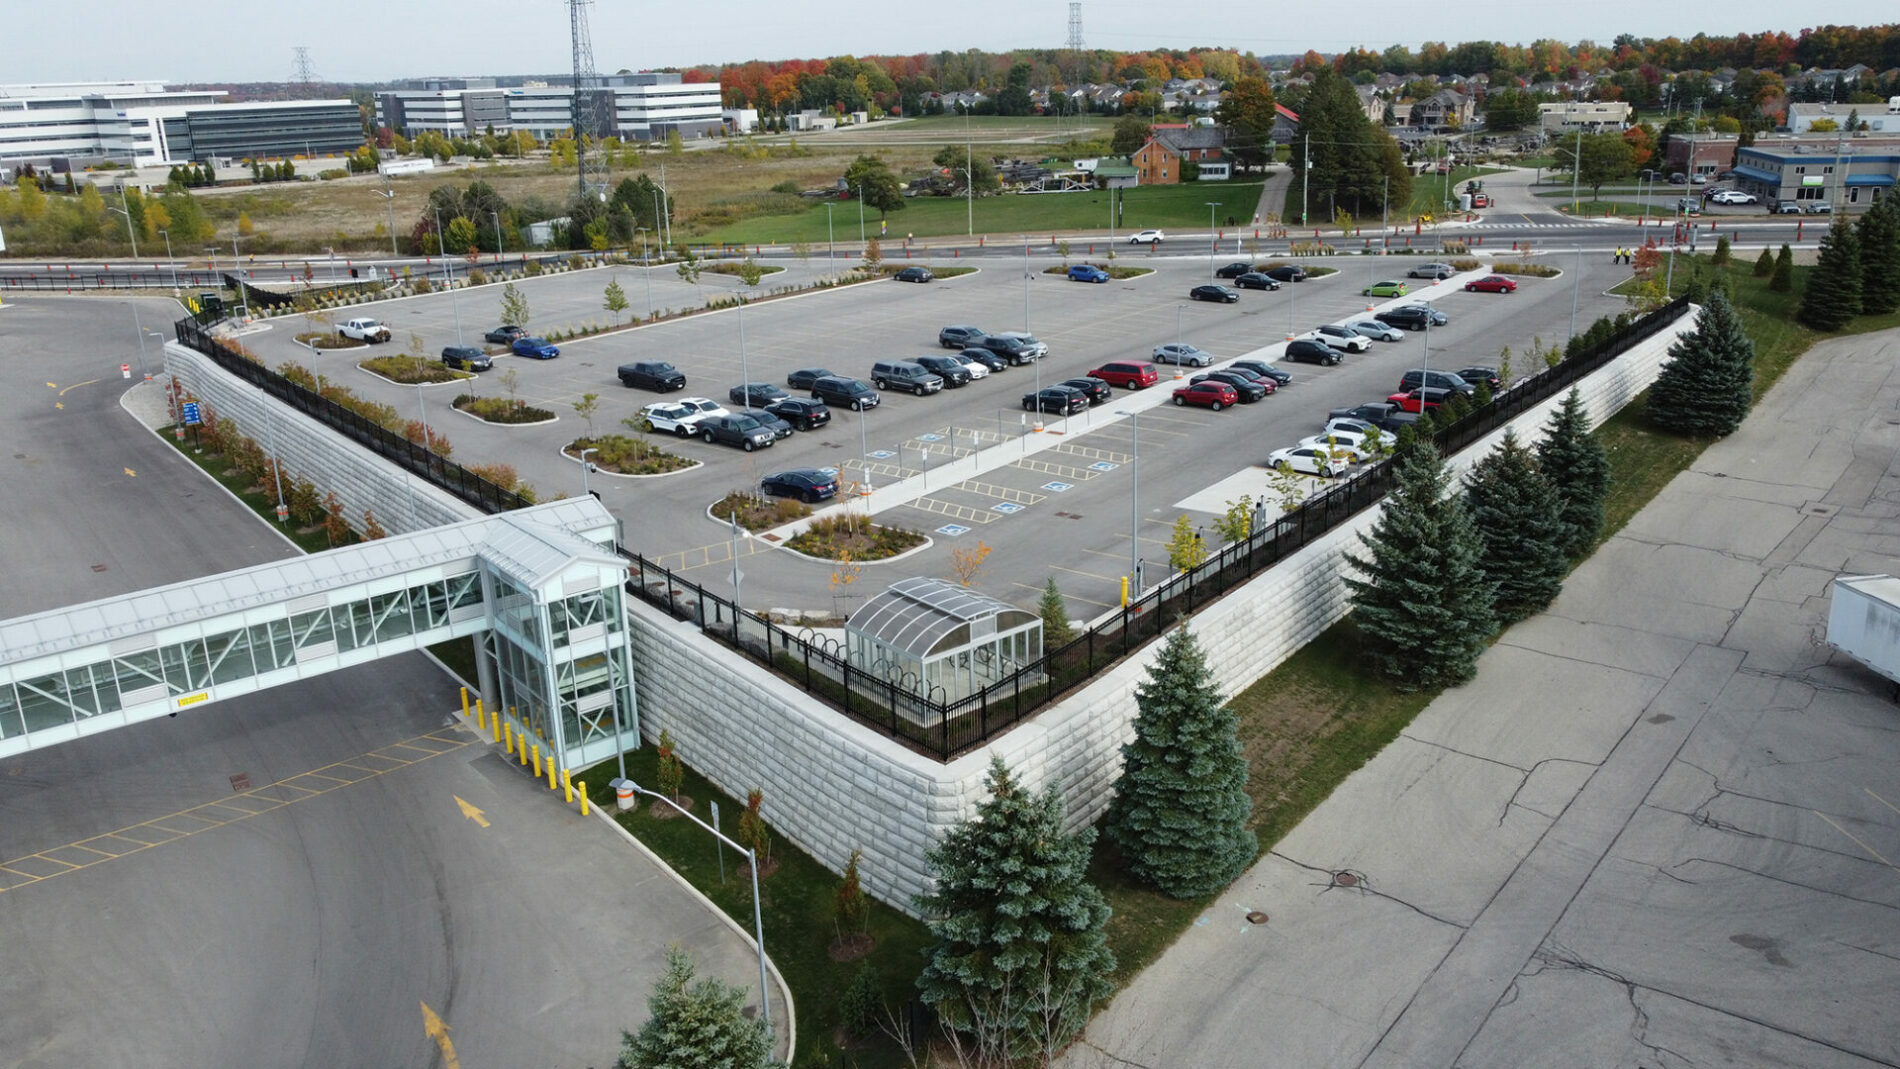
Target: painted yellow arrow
(471,812)
(132,473)
(435,1028)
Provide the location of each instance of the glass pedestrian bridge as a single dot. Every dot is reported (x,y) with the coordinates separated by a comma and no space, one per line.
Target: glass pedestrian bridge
(542,588)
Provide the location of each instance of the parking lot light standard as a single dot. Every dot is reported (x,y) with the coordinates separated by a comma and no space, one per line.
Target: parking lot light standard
(448,267)
(1134,500)
(831,239)
(584,468)
(1213,241)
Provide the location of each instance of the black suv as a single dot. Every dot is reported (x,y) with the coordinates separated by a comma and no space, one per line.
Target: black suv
(1444,380)
(1311,352)
(843,392)
(652,375)
(947,368)
(1384,415)
(466,358)
(1405,317)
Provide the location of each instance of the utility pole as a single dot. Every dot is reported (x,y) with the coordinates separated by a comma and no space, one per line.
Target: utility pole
(1306,175)
(388,193)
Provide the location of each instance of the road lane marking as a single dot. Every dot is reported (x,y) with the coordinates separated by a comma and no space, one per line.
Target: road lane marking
(1856,838)
(468,810)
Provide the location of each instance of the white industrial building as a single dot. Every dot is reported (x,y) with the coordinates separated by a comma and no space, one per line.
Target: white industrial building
(645,107)
(143,123)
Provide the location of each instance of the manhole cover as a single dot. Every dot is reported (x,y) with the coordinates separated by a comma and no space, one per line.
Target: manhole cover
(1345,879)
(241,782)
(98,567)
(1256,917)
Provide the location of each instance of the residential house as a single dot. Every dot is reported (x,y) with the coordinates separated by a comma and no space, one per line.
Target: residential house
(1159,162)
(1371,103)
(1445,108)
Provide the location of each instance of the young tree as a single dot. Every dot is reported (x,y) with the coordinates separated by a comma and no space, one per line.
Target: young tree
(1180,812)
(1765,263)
(615,300)
(971,170)
(849,908)
(1516,511)
(871,178)
(752,830)
(1236,524)
(695,1025)
(1056,629)
(1722,254)
(1879,240)
(1018,952)
(669,771)
(1782,281)
(1574,462)
(1704,387)
(1423,600)
(336,526)
(1186,548)
(514,306)
(585,408)
(873,252)
(1832,297)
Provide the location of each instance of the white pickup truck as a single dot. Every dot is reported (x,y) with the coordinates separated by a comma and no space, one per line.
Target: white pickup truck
(364,330)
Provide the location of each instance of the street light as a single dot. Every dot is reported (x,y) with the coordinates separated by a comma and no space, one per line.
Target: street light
(1575,285)
(1213,243)
(585,467)
(860,215)
(646,269)
(168,256)
(496,216)
(244,292)
(1134,501)
(831,240)
(448,267)
(388,193)
(125,209)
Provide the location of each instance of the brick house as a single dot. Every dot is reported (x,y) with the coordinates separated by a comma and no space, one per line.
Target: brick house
(1159,161)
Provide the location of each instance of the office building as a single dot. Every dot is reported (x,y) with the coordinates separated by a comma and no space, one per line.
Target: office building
(145,124)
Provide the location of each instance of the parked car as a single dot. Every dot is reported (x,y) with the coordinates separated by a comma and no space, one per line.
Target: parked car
(801,412)
(1255,280)
(1376,330)
(1491,284)
(1183,354)
(1217,294)
(1339,337)
(904,375)
(840,391)
(466,358)
(680,417)
(534,348)
(1444,380)
(1345,446)
(1130,374)
(1087,273)
(1478,373)
(755,394)
(1405,317)
(1147,237)
(1261,367)
(363,329)
(1733,196)
(1246,389)
(914,274)
(949,369)
(1013,346)
(1214,395)
(1438,318)
(1439,272)
(810,485)
(1785,207)
(1234,270)
(1061,400)
(1352,424)
(960,336)
(1816,207)
(1307,351)
(1384,415)
(651,375)
(780,429)
(1286,273)
(1425,398)
(743,429)
(1304,459)
(1677,178)
(805,376)
(505,334)
(1391,287)
(973,363)
(1096,390)
(989,360)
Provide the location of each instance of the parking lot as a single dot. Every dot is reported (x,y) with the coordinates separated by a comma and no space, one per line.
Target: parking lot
(1065,509)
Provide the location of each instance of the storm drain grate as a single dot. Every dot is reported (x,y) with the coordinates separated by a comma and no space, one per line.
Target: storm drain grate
(1256,917)
(241,782)
(1345,879)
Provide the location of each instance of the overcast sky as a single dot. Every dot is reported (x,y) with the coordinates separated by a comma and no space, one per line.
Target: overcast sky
(378,40)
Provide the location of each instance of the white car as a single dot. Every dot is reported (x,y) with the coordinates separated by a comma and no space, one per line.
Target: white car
(1182,353)
(679,417)
(1338,337)
(1732,196)
(1376,330)
(1349,425)
(1147,237)
(977,368)
(1304,459)
(1345,446)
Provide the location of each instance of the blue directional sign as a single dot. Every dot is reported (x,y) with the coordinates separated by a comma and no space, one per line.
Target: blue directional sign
(192,416)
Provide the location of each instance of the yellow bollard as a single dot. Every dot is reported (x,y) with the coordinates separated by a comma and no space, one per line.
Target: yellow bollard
(494,721)
(568,786)
(1124,590)
(582,784)
(537,760)
(551,770)
(465,703)
(509,731)
(521,747)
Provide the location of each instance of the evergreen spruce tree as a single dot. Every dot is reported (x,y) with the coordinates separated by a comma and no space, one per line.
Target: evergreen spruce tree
(1018,955)
(1831,299)
(1879,240)
(1722,252)
(1704,387)
(1057,631)
(1424,602)
(1782,281)
(1180,811)
(1574,462)
(1765,263)
(695,1026)
(1516,511)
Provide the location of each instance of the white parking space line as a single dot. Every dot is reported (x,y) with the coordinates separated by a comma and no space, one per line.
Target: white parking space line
(1066,595)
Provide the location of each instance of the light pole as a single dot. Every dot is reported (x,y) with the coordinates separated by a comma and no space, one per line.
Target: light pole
(125,209)
(276,466)
(388,193)
(1027,278)
(332,253)
(1213,243)
(752,862)
(860,215)
(1306,174)
(448,267)
(422,409)
(1575,285)
(864,451)
(831,239)
(496,216)
(585,466)
(745,376)
(646,269)
(1134,501)
(244,292)
(969,178)
(168,257)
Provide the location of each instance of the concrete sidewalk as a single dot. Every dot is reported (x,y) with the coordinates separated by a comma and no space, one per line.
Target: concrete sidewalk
(1655,831)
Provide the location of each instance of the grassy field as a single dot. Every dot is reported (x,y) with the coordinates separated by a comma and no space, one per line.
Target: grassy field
(1004,217)
(992,130)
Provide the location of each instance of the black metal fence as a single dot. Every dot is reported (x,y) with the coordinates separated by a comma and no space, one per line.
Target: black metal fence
(372,436)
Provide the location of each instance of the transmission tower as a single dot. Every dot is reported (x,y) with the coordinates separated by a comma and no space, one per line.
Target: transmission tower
(306,72)
(590,114)
(1075,39)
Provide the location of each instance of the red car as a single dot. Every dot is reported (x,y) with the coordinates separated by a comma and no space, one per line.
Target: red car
(1426,397)
(1491,284)
(1128,374)
(1215,395)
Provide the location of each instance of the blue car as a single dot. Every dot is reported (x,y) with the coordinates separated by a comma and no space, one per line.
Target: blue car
(1087,273)
(537,348)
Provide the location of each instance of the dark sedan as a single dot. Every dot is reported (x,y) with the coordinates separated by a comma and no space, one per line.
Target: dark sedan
(1061,400)
(986,358)
(1096,390)
(801,412)
(810,485)
(915,274)
(805,376)
(1213,293)
(1260,368)
(1234,270)
(1287,273)
(1256,280)
(505,334)
(1245,388)
(466,358)
(755,393)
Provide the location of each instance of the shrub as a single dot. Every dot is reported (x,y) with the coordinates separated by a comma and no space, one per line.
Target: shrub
(501,409)
(410,370)
(1533,270)
(623,455)
(853,536)
(755,512)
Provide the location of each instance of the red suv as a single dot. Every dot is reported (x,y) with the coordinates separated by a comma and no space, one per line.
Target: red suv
(1133,374)
(1215,395)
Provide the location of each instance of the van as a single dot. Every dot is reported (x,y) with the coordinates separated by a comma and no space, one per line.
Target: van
(1442,380)
(841,392)
(905,375)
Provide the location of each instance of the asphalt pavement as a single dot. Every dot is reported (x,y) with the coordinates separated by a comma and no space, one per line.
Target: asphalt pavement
(289,879)
(1657,830)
